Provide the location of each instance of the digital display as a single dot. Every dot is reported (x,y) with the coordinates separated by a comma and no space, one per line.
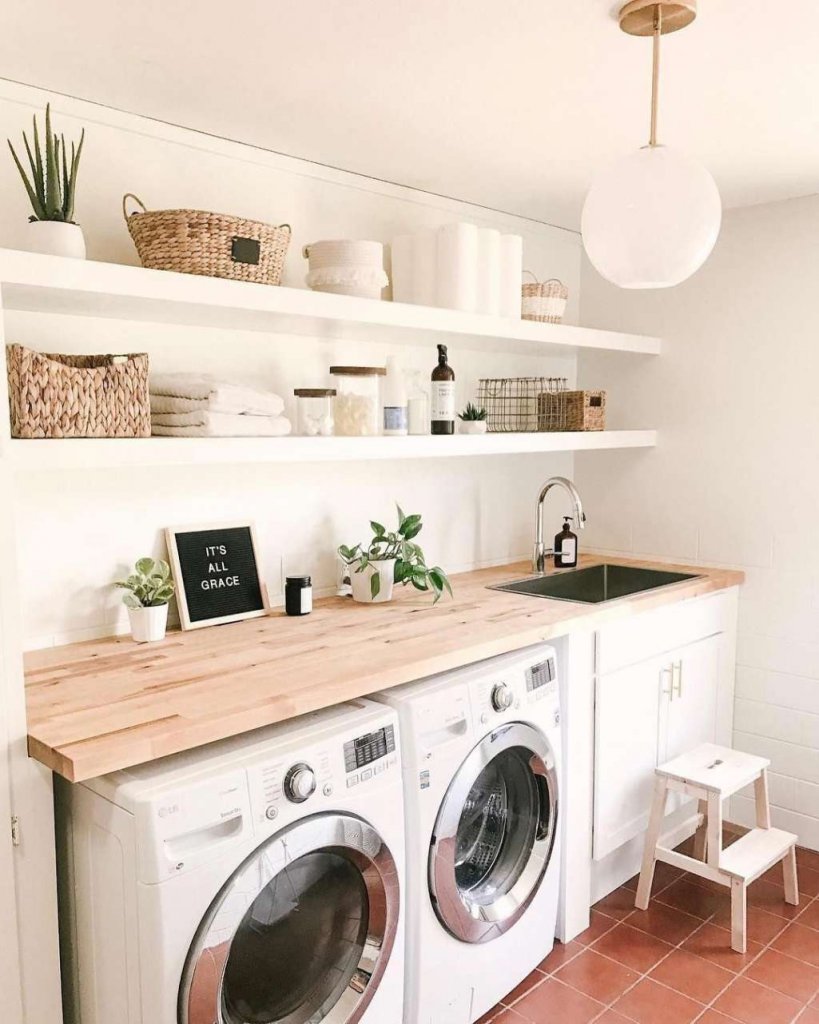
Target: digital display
(371,747)
(540,675)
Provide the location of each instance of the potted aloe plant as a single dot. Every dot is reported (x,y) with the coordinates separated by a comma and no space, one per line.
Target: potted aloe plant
(149,589)
(389,558)
(51,187)
(473,419)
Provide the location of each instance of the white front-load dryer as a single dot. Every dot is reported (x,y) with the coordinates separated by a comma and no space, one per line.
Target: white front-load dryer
(481,753)
(257,880)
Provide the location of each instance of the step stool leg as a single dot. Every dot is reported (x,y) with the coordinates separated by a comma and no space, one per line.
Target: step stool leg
(738,916)
(714,829)
(789,875)
(763,807)
(655,825)
(700,836)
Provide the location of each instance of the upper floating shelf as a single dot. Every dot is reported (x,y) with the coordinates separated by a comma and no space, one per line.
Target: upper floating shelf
(54,284)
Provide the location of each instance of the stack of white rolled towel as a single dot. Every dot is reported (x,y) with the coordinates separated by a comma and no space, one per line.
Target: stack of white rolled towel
(196,405)
(459,266)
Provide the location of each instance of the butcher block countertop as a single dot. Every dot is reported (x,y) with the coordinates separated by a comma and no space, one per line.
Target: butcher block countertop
(99,706)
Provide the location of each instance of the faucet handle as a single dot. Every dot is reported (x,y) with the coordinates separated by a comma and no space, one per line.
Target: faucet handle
(541,555)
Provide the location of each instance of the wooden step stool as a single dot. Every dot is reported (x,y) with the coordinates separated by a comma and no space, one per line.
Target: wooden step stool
(711,774)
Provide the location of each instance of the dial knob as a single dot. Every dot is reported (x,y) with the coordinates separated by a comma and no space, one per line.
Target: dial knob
(299,783)
(502,697)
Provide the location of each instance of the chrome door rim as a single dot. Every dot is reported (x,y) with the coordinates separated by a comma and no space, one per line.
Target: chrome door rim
(466,920)
(342,833)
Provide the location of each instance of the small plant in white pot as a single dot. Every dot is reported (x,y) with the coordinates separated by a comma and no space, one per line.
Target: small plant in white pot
(392,558)
(150,588)
(51,190)
(473,420)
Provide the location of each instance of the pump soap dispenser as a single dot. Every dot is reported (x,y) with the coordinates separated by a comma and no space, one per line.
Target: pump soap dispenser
(566,547)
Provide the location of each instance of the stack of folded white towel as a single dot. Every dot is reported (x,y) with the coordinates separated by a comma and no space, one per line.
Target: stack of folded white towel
(195,405)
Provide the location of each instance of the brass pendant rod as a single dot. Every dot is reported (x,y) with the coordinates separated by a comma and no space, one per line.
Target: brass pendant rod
(655,73)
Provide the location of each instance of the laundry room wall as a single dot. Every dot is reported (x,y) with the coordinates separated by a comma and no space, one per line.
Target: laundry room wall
(477,511)
(734,479)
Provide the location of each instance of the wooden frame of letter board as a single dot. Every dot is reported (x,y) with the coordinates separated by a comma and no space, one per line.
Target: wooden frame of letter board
(176,566)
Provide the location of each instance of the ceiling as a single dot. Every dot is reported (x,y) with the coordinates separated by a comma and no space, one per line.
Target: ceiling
(512,105)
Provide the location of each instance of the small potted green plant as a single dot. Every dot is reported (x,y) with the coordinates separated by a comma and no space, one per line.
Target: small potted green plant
(389,558)
(51,189)
(149,589)
(473,420)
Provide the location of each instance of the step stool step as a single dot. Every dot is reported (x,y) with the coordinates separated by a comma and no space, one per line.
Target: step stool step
(715,769)
(758,850)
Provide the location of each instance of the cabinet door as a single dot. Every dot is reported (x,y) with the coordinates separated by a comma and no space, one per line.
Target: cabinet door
(627,748)
(690,709)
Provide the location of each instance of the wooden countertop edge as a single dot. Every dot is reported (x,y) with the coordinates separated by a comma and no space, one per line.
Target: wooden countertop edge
(88,756)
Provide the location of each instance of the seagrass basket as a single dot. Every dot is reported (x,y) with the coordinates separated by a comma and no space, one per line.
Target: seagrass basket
(77,396)
(544,301)
(210,244)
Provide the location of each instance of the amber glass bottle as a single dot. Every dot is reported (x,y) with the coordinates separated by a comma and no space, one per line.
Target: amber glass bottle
(442,413)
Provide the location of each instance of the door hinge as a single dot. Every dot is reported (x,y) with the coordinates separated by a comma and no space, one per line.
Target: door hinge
(15,830)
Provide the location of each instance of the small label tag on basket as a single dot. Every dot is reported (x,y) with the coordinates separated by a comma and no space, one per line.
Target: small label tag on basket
(245,250)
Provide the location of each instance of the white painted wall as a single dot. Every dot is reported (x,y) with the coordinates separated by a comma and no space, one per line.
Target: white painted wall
(735,478)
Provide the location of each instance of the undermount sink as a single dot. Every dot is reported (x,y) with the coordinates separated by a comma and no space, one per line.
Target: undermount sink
(596,584)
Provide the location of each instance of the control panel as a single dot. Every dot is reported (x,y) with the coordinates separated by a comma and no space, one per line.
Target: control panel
(541,679)
(369,755)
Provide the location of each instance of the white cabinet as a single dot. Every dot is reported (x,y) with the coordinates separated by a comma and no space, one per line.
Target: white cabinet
(646,713)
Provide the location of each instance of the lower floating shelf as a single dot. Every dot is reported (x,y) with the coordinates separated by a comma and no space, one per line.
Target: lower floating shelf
(93,453)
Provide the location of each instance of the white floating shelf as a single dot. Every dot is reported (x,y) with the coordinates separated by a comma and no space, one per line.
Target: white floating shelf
(54,284)
(93,453)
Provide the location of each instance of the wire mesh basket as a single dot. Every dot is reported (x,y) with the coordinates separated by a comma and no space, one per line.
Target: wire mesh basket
(524,404)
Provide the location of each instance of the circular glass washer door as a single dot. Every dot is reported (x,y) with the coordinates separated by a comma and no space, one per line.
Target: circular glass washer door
(300,933)
(494,834)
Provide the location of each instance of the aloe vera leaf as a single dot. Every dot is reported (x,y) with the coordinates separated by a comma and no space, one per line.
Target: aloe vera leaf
(36,177)
(39,211)
(53,204)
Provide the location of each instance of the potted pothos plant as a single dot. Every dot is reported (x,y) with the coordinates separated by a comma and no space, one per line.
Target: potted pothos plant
(392,557)
(473,419)
(51,188)
(149,589)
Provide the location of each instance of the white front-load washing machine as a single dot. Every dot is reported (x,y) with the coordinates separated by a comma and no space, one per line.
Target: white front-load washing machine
(481,753)
(257,880)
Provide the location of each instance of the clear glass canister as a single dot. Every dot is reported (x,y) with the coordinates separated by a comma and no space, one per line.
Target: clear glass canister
(315,411)
(357,402)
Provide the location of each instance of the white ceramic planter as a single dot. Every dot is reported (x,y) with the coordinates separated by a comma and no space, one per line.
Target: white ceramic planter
(472,426)
(361,581)
(148,624)
(56,238)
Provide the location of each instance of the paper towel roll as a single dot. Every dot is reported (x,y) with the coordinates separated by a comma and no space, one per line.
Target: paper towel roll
(511,249)
(401,253)
(458,266)
(489,271)
(424,267)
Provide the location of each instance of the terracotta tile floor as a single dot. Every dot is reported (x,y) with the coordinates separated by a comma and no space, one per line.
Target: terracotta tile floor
(673,964)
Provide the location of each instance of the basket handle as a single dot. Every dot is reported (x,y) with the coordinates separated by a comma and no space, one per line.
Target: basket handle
(552,280)
(125,198)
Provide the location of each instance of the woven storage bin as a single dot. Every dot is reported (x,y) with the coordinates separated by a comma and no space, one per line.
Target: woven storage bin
(544,302)
(572,410)
(211,244)
(77,396)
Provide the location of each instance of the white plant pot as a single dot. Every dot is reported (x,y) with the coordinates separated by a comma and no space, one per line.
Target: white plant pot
(385,568)
(473,426)
(148,624)
(56,238)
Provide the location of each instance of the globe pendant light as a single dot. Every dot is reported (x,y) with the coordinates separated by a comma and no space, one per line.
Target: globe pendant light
(651,219)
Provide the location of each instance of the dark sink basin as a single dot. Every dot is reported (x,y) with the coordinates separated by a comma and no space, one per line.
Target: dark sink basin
(596,584)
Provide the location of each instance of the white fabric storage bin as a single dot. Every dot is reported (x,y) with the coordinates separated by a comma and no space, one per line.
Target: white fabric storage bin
(346,268)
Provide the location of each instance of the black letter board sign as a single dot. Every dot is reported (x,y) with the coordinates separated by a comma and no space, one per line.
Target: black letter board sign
(216,573)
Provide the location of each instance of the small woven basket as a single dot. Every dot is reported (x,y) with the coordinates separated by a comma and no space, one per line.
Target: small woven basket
(544,302)
(77,396)
(572,410)
(210,244)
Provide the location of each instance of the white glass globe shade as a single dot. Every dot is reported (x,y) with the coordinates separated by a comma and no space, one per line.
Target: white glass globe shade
(651,219)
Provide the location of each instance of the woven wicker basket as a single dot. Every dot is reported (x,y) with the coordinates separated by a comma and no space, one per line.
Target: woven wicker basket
(576,410)
(544,302)
(211,244)
(77,396)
